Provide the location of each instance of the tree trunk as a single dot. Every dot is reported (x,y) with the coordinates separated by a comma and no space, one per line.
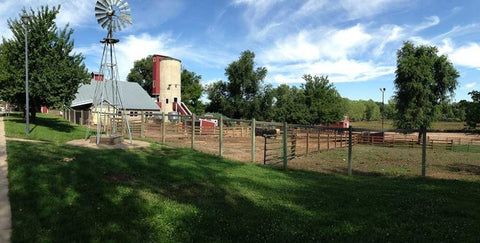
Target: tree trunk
(420,133)
(33,116)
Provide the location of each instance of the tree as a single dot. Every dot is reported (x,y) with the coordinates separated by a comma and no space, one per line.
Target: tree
(355,110)
(423,80)
(192,90)
(472,116)
(217,93)
(325,105)
(372,111)
(141,73)
(55,73)
(244,84)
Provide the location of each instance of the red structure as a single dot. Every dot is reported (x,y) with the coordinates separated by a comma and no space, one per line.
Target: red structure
(156,75)
(343,124)
(97,77)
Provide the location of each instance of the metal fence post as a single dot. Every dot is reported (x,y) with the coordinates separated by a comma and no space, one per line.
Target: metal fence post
(253,139)
(220,138)
(193,132)
(163,128)
(285,145)
(350,150)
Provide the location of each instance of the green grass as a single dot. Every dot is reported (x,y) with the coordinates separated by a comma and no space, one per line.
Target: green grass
(46,128)
(396,161)
(388,124)
(62,193)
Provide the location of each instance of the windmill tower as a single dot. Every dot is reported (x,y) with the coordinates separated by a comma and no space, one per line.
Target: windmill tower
(112,15)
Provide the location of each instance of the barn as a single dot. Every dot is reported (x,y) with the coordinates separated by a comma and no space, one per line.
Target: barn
(134,98)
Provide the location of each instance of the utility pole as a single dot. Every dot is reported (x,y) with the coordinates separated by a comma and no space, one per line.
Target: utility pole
(383,106)
(25,20)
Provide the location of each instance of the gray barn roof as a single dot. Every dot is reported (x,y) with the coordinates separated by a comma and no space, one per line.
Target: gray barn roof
(133,96)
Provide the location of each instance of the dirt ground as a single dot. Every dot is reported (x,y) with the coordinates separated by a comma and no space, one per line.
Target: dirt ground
(125,145)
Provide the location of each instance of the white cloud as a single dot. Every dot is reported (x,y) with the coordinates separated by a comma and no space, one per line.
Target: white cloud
(471,85)
(388,34)
(310,7)
(309,45)
(356,10)
(468,56)
(73,12)
(431,21)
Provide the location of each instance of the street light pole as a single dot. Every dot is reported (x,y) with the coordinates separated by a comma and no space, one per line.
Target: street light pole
(25,19)
(383,105)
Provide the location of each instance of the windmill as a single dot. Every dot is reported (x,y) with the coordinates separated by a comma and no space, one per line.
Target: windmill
(112,15)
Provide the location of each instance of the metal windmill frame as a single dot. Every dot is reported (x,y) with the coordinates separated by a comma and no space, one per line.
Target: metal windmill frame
(113,15)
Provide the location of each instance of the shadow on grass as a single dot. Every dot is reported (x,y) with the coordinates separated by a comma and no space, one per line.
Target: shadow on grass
(62,193)
(462,168)
(54,123)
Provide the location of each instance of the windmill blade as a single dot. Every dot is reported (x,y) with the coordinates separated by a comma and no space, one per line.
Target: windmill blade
(114,26)
(122,4)
(101,4)
(123,24)
(102,19)
(125,11)
(119,27)
(100,10)
(100,15)
(105,23)
(126,18)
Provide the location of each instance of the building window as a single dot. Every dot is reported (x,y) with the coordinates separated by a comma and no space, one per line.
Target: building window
(166,101)
(175,99)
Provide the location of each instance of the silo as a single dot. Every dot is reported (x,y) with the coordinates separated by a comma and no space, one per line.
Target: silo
(166,86)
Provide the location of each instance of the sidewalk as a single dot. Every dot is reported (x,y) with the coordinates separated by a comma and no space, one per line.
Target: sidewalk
(5,212)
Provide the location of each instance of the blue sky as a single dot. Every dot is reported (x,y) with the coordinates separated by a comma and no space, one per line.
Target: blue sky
(354,42)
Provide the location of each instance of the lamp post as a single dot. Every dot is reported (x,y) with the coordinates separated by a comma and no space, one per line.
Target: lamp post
(383,104)
(25,20)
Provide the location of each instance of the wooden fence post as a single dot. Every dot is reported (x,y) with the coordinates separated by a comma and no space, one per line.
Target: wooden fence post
(285,152)
(163,128)
(253,139)
(318,140)
(81,117)
(142,124)
(328,141)
(308,135)
(350,150)
(220,137)
(424,151)
(193,132)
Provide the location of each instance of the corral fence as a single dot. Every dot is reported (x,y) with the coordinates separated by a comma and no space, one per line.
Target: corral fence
(410,139)
(270,143)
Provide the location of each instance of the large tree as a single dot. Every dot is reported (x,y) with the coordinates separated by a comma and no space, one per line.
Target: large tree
(423,81)
(55,72)
(240,96)
(325,105)
(192,90)
(141,73)
(244,84)
(472,116)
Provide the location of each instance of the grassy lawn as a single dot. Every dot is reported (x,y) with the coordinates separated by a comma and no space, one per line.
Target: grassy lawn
(388,124)
(397,161)
(46,128)
(62,193)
